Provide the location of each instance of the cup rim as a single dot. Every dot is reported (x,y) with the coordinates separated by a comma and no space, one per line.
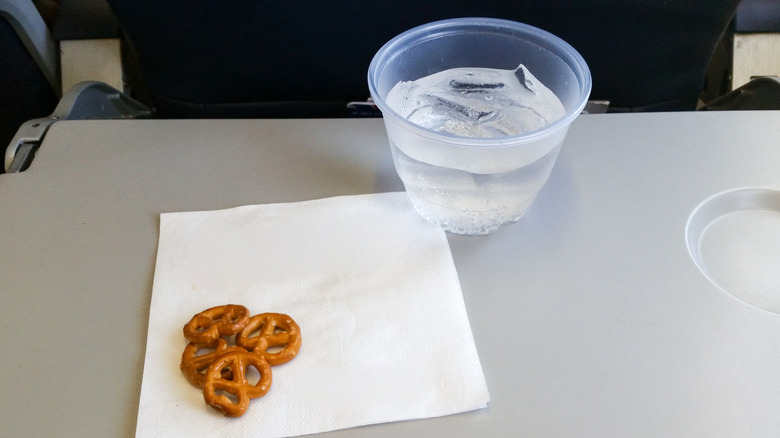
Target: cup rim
(576,63)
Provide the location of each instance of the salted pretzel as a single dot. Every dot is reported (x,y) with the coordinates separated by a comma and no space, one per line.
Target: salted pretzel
(267,332)
(206,327)
(238,385)
(194,365)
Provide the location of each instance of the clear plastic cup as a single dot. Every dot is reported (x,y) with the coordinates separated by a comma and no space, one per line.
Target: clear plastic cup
(474,185)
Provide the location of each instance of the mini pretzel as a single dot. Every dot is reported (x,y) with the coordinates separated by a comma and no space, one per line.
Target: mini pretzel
(238,385)
(194,365)
(207,326)
(272,330)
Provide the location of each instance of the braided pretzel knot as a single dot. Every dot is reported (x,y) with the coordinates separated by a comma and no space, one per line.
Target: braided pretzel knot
(238,385)
(194,365)
(207,326)
(267,332)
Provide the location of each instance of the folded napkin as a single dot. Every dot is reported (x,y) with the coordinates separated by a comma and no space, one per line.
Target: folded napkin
(372,287)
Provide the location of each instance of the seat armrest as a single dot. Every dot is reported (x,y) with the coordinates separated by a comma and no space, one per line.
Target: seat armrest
(762,93)
(83,101)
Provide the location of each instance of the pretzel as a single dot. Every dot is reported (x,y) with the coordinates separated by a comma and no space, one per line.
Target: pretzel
(267,331)
(207,326)
(194,365)
(237,385)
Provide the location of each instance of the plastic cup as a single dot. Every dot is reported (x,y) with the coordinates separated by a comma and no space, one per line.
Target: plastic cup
(474,185)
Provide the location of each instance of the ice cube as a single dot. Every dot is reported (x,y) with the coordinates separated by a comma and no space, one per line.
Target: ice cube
(477,102)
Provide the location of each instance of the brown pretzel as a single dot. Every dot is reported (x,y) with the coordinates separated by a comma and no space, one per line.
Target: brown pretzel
(207,326)
(238,385)
(194,365)
(267,332)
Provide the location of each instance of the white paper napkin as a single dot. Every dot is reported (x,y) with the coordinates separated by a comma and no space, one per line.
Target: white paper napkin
(373,288)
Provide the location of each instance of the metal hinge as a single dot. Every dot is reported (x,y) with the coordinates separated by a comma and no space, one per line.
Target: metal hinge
(21,151)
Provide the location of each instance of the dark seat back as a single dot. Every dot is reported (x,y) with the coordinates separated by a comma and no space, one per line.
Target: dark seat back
(308,58)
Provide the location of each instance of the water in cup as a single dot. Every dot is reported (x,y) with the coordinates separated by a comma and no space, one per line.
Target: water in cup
(473,102)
